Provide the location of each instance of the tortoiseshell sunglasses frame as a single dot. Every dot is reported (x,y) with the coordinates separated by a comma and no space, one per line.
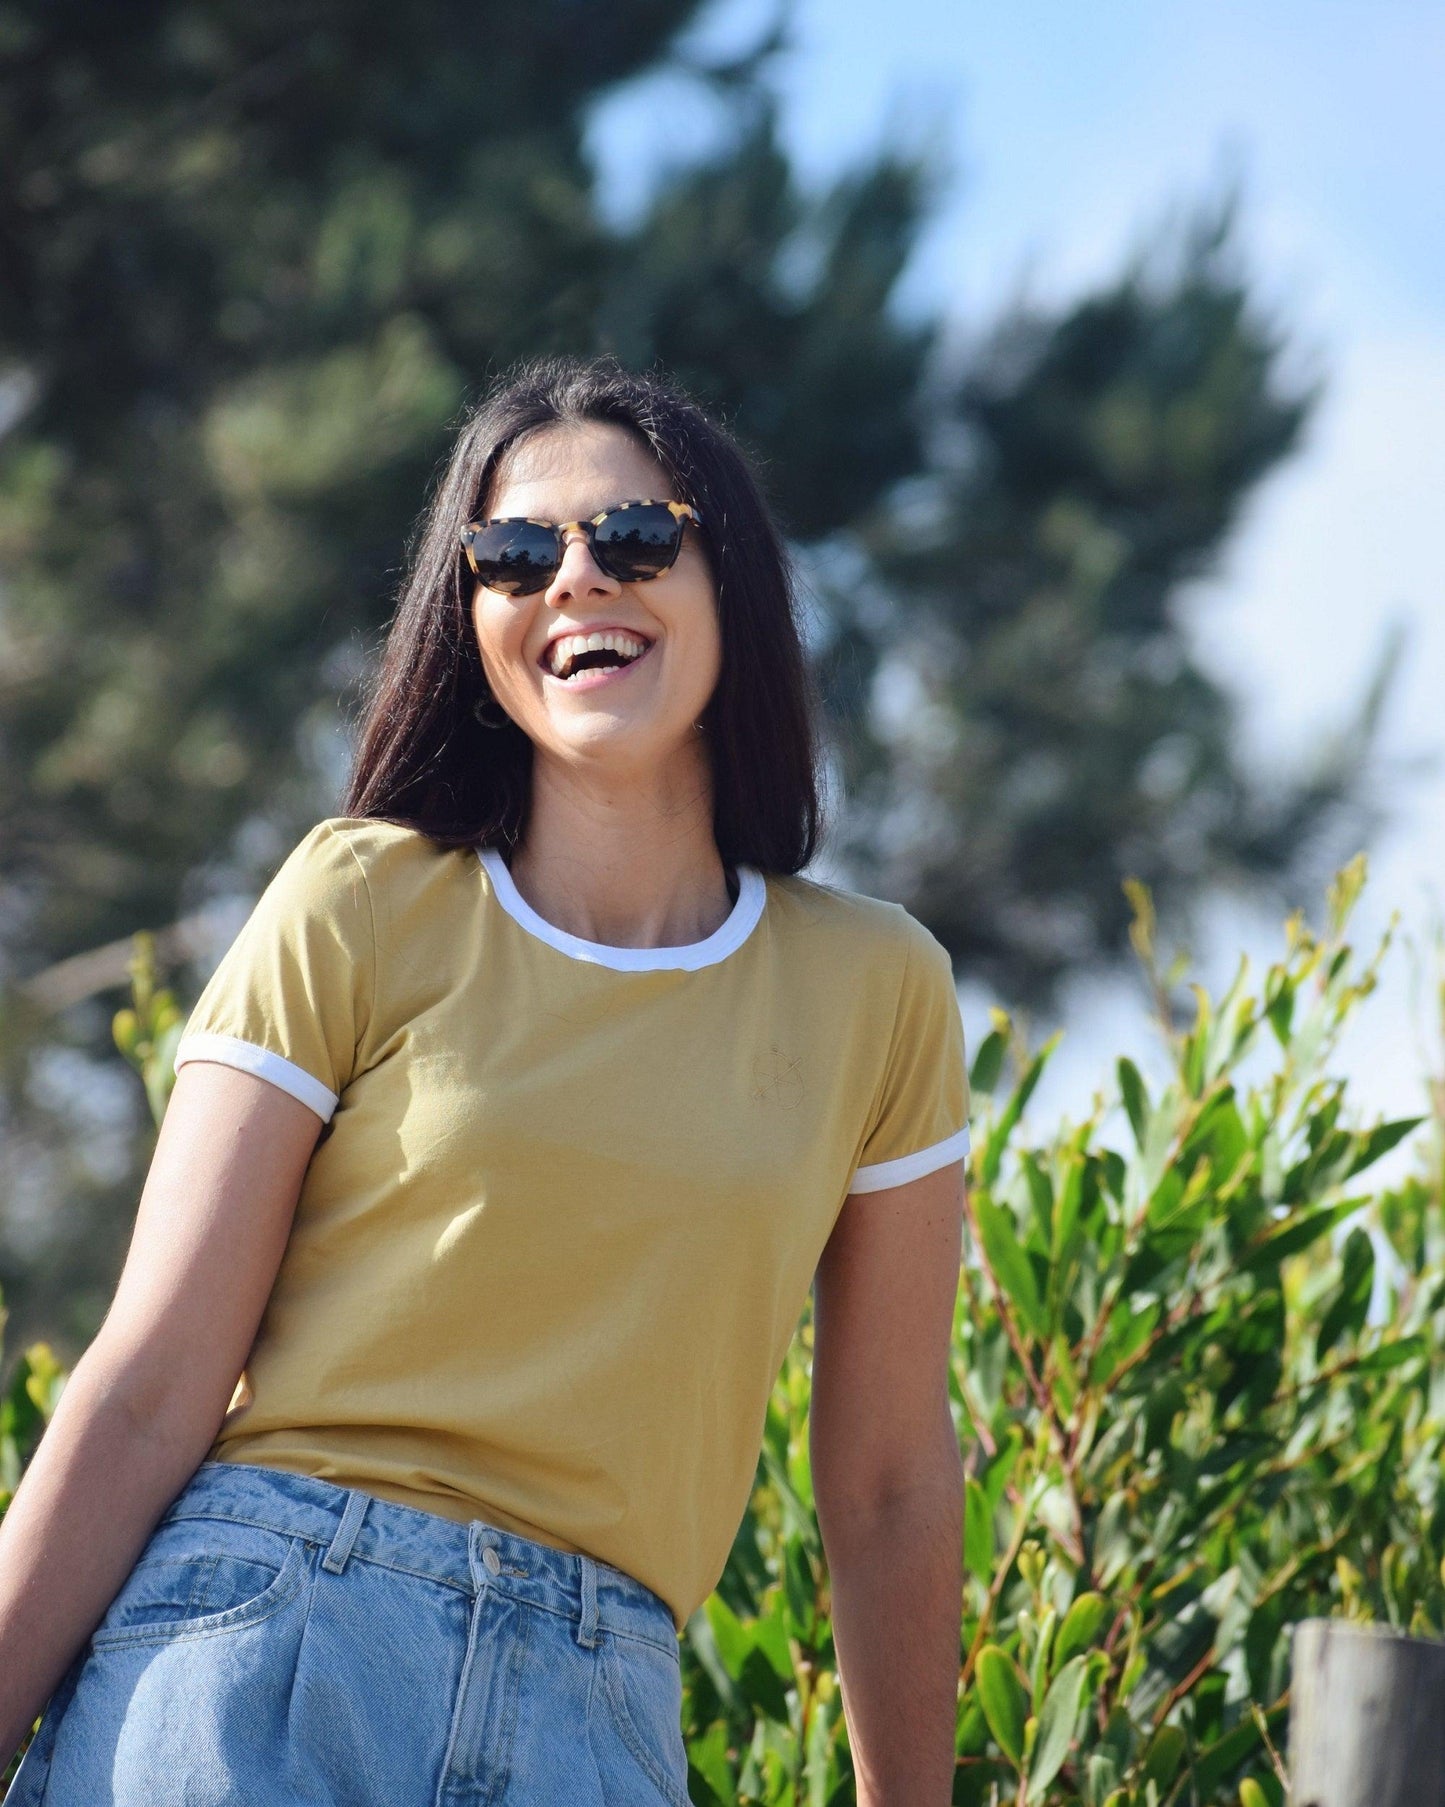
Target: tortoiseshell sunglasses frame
(680,511)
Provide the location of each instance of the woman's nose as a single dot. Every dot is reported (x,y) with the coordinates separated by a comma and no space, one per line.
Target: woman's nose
(579,574)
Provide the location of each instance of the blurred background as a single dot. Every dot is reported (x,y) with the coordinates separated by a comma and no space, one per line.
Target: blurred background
(1093,358)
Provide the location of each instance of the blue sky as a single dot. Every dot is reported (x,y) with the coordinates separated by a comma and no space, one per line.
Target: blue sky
(1069,131)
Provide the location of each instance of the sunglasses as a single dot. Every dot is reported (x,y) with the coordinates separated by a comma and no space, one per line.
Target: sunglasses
(631,542)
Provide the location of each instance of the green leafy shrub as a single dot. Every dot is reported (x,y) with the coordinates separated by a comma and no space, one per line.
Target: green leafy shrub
(1184,1427)
(1183,1432)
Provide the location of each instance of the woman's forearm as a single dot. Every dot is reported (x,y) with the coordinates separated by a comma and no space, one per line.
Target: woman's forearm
(897,1585)
(99,1480)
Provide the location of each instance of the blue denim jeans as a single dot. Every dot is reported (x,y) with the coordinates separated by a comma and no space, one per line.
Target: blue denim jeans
(286,1642)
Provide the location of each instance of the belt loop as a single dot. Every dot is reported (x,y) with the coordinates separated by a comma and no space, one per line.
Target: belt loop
(340,1546)
(587,1627)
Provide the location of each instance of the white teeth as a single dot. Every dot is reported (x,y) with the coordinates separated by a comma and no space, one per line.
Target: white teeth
(567,647)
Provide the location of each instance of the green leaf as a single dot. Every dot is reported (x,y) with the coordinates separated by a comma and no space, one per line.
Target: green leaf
(1057,1719)
(709,1771)
(1221,1131)
(1219,1759)
(987,1063)
(1344,893)
(1082,1624)
(1296,1233)
(801,1590)
(1114,1546)
(770,1634)
(1066,1216)
(729,1634)
(1166,1748)
(1166,1200)
(1011,1266)
(972,1727)
(1136,1101)
(762,1686)
(1000,1470)
(978,1546)
(1101,1772)
(1280,1011)
(1351,1303)
(754,1654)
(1128,1330)
(703,1641)
(1009,1117)
(1004,1699)
(1040,1667)
(1391,1355)
(125,1031)
(1041,1199)
(1162,1407)
(1380,1140)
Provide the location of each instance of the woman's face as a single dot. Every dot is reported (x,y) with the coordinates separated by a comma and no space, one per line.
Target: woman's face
(635,717)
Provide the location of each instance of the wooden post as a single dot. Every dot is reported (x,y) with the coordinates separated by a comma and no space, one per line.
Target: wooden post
(1367,1717)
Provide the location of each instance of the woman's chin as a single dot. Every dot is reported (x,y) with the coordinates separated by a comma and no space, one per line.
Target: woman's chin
(620,737)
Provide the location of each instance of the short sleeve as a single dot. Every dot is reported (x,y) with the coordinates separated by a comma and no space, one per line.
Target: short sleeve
(292,995)
(920,1116)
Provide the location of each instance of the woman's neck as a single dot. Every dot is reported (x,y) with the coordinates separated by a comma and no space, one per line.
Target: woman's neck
(625,869)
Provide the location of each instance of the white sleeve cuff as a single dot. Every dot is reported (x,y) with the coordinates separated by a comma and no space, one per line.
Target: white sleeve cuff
(230,1051)
(910,1166)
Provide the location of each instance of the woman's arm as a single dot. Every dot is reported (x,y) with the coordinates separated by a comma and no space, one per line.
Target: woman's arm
(146,1399)
(888,1480)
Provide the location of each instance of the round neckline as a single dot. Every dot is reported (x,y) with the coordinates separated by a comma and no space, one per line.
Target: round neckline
(688,956)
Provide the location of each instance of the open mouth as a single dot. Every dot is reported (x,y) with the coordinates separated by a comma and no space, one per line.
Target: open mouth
(570,655)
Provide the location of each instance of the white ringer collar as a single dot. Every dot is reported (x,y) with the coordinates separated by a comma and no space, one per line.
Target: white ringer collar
(729,935)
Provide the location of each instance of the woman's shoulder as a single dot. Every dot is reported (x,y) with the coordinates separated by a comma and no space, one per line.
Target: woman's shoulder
(373,840)
(391,860)
(846,924)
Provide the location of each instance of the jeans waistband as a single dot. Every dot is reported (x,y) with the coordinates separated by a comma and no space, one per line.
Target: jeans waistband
(350,1523)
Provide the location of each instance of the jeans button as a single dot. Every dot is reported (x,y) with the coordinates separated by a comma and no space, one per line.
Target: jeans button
(492,1560)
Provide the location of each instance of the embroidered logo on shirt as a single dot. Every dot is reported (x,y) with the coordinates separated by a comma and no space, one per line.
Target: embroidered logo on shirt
(777,1078)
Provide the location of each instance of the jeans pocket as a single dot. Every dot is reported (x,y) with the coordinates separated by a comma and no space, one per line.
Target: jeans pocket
(199,1577)
(643,1685)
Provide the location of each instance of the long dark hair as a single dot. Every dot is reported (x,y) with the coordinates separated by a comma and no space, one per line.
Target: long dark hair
(423,760)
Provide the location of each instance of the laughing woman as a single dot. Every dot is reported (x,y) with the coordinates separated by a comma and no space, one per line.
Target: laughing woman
(507,1140)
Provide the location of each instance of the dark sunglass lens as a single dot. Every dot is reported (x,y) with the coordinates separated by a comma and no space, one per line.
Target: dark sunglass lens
(515,557)
(638,542)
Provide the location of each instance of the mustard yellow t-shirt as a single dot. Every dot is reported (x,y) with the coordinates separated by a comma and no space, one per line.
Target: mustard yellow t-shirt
(553,1244)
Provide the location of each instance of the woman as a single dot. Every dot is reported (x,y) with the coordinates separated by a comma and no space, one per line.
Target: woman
(506,1141)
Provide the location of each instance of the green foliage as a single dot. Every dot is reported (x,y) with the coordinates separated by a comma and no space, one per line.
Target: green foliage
(26,1407)
(148,1031)
(1184,1430)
